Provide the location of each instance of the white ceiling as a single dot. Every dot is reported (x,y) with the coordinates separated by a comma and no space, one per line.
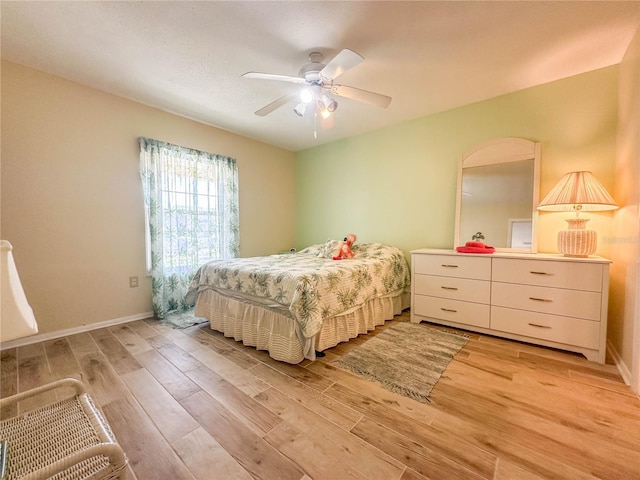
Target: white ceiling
(188,57)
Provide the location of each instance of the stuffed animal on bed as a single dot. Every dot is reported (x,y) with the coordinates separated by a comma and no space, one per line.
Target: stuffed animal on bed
(344,249)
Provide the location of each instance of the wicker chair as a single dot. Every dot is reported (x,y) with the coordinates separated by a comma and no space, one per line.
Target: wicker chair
(69,439)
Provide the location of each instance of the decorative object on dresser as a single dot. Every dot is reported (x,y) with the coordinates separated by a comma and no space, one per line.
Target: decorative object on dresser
(577,192)
(545,299)
(405,358)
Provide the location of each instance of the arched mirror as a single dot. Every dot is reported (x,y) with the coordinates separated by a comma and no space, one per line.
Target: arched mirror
(498,189)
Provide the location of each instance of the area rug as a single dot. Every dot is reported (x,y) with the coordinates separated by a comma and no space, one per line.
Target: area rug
(182,319)
(406,358)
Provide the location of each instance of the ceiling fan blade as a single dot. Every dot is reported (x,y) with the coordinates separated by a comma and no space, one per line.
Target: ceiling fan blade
(361,95)
(342,62)
(272,76)
(267,109)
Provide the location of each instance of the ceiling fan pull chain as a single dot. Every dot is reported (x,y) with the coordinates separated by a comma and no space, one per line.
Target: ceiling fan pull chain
(315,124)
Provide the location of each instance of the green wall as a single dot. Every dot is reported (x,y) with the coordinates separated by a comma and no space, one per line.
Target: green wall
(398,185)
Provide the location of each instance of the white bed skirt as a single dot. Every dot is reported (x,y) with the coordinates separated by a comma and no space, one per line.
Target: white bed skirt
(265,329)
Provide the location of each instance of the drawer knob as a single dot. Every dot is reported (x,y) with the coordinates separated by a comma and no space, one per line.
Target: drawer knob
(448,266)
(535,299)
(539,326)
(448,310)
(541,273)
(448,288)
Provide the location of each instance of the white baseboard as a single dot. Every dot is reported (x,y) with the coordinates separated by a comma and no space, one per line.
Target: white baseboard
(42,337)
(620,365)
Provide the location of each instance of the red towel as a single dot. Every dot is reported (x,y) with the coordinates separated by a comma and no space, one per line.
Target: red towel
(475,247)
(475,250)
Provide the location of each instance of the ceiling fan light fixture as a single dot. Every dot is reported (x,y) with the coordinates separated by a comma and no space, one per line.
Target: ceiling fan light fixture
(324,113)
(299,109)
(329,103)
(306,95)
(316,78)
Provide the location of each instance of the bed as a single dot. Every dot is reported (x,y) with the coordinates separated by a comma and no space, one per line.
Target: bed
(296,304)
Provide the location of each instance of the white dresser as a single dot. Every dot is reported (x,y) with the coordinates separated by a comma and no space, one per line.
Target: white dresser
(544,299)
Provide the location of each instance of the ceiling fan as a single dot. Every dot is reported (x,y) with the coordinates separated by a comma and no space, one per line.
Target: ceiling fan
(316,86)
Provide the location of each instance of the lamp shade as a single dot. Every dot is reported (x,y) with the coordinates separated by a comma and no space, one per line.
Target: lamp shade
(579,191)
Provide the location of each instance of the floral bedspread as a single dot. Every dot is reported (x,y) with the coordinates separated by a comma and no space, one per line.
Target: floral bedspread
(309,283)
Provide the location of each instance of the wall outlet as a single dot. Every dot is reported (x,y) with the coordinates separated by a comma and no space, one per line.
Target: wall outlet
(133,282)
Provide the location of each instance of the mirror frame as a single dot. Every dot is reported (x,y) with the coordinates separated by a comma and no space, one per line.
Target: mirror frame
(502,150)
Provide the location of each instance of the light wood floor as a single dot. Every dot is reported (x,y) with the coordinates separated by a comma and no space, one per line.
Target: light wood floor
(190,404)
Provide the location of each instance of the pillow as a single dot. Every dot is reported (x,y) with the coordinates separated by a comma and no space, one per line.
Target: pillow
(312,250)
(329,249)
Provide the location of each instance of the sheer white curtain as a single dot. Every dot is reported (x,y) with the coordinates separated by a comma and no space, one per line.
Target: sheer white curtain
(191,211)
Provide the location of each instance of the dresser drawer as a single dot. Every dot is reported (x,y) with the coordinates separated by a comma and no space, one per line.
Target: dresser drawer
(453,266)
(554,328)
(549,273)
(466,313)
(478,291)
(569,303)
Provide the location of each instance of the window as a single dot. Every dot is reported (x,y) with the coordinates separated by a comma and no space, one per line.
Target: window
(191,213)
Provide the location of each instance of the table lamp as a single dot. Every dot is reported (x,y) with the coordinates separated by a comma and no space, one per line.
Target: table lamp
(16,316)
(577,192)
